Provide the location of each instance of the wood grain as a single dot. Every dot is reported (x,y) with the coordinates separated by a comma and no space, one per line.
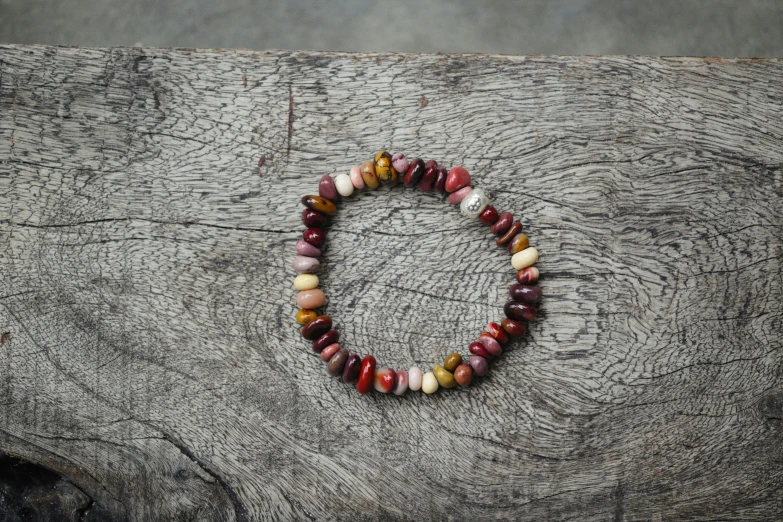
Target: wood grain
(150,204)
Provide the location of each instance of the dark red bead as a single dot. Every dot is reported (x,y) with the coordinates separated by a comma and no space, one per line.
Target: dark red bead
(513,328)
(512,231)
(440,180)
(315,236)
(330,337)
(502,224)
(317,327)
(326,188)
(313,218)
(415,172)
(428,179)
(528,275)
(525,293)
(519,311)
(496,331)
(476,348)
(351,369)
(489,215)
(366,375)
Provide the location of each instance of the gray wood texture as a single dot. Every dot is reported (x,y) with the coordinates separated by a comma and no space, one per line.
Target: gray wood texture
(149,206)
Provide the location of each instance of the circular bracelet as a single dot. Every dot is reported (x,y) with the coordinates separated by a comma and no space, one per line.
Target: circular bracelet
(474,203)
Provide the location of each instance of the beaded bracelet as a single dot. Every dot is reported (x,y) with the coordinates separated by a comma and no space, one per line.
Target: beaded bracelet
(474,203)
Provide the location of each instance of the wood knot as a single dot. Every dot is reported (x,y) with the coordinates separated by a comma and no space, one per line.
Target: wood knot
(770,408)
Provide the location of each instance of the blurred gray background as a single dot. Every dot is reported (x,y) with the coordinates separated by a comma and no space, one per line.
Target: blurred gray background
(654,27)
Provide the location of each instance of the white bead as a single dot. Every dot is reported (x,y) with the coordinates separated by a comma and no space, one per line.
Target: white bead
(474,203)
(306,281)
(429,384)
(414,379)
(343,184)
(525,258)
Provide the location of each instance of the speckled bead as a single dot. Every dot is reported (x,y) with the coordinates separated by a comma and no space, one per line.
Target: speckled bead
(384,380)
(368,175)
(512,231)
(415,172)
(518,244)
(479,365)
(384,169)
(317,327)
(513,328)
(519,311)
(400,163)
(496,331)
(306,281)
(305,315)
(314,236)
(313,218)
(320,204)
(326,188)
(344,185)
(400,383)
(440,179)
(336,364)
(352,367)
(476,348)
(330,337)
(455,198)
(366,377)
(445,378)
(430,174)
(429,384)
(356,177)
(489,215)
(306,265)
(458,178)
(525,258)
(327,352)
(463,374)
(303,248)
(414,379)
(528,275)
(474,203)
(314,298)
(452,361)
(502,224)
(525,293)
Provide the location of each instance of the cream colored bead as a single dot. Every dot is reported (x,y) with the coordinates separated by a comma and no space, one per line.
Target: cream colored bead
(429,384)
(343,184)
(525,258)
(306,281)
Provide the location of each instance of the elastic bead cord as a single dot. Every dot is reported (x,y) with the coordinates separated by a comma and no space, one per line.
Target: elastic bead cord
(457,370)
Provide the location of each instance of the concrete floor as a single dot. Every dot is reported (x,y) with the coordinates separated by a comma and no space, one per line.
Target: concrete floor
(656,27)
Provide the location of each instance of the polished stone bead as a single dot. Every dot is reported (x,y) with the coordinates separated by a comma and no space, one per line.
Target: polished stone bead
(458,178)
(490,344)
(429,384)
(455,198)
(512,231)
(306,281)
(428,180)
(344,185)
(496,331)
(528,275)
(440,179)
(525,258)
(525,293)
(518,244)
(326,188)
(414,379)
(415,172)
(313,218)
(474,203)
(463,374)
(352,366)
(320,204)
(519,311)
(303,248)
(314,298)
(489,215)
(336,364)
(356,177)
(315,236)
(476,348)
(400,383)
(502,224)
(445,378)
(384,169)
(400,163)
(368,175)
(327,352)
(384,380)
(317,327)
(330,337)
(366,375)
(513,328)
(452,361)
(479,365)
(304,316)
(306,265)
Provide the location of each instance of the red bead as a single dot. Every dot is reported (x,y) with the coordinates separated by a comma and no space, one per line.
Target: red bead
(317,327)
(528,275)
(525,293)
(326,188)
(458,178)
(440,180)
(489,215)
(502,224)
(496,331)
(513,328)
(385,379)
(490,344)
(519,311)
(330,337)
(476,348)
(366,375)
(313,218)
(428,180)
(415,172)
(315,236)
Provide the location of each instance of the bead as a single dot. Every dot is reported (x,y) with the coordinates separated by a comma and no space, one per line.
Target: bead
(320,204)
(476,348)
(528,275)
(415,172)
(518,244)
(414,379)
(455,198)
(429,384)
(352,366)
(490,344)
(513,328)
(400,162)
(463,374)
(356,177)
(306,281)
(501,225)
(525,293)
(458,177)
(336,364)
(525,258)
(428,180)
(314,298)
(327,352)
(326,188)
(489,215)
(400,383)
(313,218)
(314,236)
(474,203)
(384,380)
(304,316)
(519,311)
(330,337)
(317,327)
(440,180)
(344,185)
(366,374)
(306,265)
(369,177)
(479,365)
(383,168)
(496,331)
(512,231)
(452,361)
(445,378)
(303,248)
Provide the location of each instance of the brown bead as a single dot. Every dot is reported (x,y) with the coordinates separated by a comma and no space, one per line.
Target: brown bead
(489,215)
(336,364)
(518,244)
(326,188)
(317,327)
(513,328)
(502,224)
(313,218)
(463,374)
(527,275)
(512,231)
(525,293)
(496,331)
(384,169)
(304,316)
(519,311)
(330,337)
(320,204)
(415,172)
(440,180)
(368,174)
(452,361)
(315,236)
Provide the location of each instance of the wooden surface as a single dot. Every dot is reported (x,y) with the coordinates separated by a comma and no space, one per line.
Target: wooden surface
(150,204)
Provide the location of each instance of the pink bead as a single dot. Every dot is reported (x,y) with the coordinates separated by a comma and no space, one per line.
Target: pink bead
(455,198)
(330,350)
(414,379)
(356,177)
(490,344)
(303,248)
(326,188)
(400,162)
(458,177)
(401,384)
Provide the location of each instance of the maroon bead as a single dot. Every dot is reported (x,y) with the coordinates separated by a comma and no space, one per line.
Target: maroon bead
(313,218)
(317,327)
(519,311)
(415,172)
(330,337)
(326,188)
(513,328)
(336,364)
(351,369)
(502,224)
(476,348)
(428,179)
(315,236)
(525,293)
(496,331)
(440,180)
(512,231)
(489,215)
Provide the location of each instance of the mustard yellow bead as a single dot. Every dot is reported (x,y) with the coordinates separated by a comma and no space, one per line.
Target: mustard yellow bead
(304,316)
(306,281)
(452,361)
(384,169)
(444,377)
(368,175)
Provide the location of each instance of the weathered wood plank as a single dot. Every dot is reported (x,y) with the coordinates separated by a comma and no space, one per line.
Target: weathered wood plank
(152,357)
